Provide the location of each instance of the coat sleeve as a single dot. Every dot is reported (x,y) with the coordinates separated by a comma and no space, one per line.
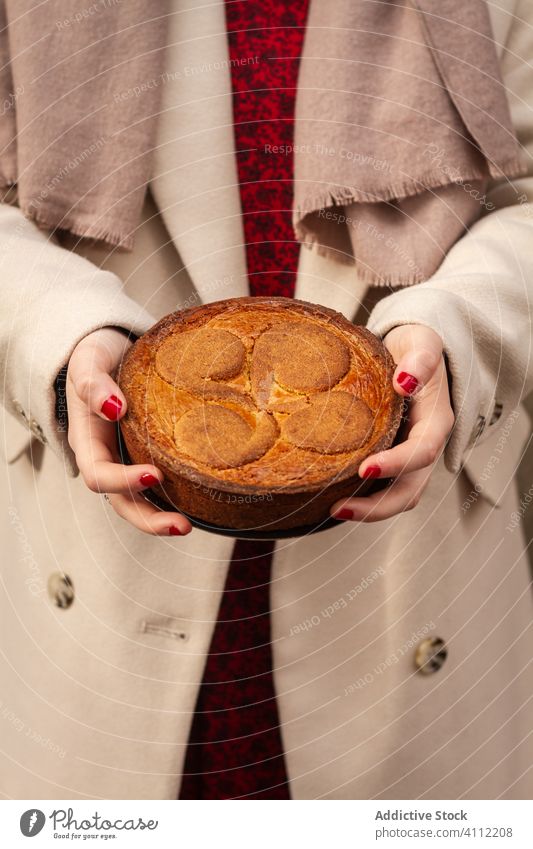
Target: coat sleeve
(50,298)
(480,299)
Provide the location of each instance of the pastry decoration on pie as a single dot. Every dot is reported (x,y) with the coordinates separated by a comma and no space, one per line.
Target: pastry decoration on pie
(258,411)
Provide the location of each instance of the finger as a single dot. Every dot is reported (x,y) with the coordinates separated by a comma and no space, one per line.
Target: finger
(109,477)
(102,395)
(94,386)
(147,518)
(403,495)
(431,420)
(417,452)
(421,353)
(93,441)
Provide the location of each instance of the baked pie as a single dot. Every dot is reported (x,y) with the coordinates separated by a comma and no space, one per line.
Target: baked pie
(258,411)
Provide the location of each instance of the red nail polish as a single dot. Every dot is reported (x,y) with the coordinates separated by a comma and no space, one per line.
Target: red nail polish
(371,472)
(148,480)
(173,531)
(407,382)
(343,514)
(111,407)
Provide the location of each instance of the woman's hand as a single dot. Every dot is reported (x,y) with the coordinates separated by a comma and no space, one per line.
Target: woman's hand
(421,375)
(94,404)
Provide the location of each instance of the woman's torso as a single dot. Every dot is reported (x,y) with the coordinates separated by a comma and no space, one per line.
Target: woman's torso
(111,681)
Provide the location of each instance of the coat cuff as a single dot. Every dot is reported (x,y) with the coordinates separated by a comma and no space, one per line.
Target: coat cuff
(40,403)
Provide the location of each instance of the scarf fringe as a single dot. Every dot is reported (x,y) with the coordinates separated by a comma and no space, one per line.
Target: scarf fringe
(77,226)
(371,278)
(337,195)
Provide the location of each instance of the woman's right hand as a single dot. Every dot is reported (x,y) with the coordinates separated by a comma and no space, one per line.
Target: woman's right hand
(95,403)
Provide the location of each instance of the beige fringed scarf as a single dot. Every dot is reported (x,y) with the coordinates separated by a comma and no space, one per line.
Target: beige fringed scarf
(78,111)
(395,136)
(399,132)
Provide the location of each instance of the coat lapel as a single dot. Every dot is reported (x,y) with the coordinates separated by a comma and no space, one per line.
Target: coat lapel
(195,183)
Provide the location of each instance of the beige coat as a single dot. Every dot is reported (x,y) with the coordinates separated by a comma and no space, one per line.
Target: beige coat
(96,698)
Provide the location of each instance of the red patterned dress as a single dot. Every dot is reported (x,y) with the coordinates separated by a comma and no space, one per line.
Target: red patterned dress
(235,748)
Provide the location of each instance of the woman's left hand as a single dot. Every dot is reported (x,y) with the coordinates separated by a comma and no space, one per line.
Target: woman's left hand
(420,375)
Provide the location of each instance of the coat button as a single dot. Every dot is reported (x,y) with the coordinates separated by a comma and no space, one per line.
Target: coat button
(60,589)
(430,655)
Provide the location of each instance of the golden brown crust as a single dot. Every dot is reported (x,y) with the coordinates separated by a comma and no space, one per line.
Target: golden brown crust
(258,411)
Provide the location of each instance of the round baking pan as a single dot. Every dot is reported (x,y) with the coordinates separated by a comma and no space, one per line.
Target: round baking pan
(241,533)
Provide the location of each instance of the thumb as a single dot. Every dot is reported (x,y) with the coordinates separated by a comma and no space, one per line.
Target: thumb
(89,373)
(417,351)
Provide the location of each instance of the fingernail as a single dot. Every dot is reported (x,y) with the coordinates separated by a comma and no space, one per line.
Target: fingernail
(111,407)
(173,531)
(148,480)
(407,382)
(343,514)
(371,472)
